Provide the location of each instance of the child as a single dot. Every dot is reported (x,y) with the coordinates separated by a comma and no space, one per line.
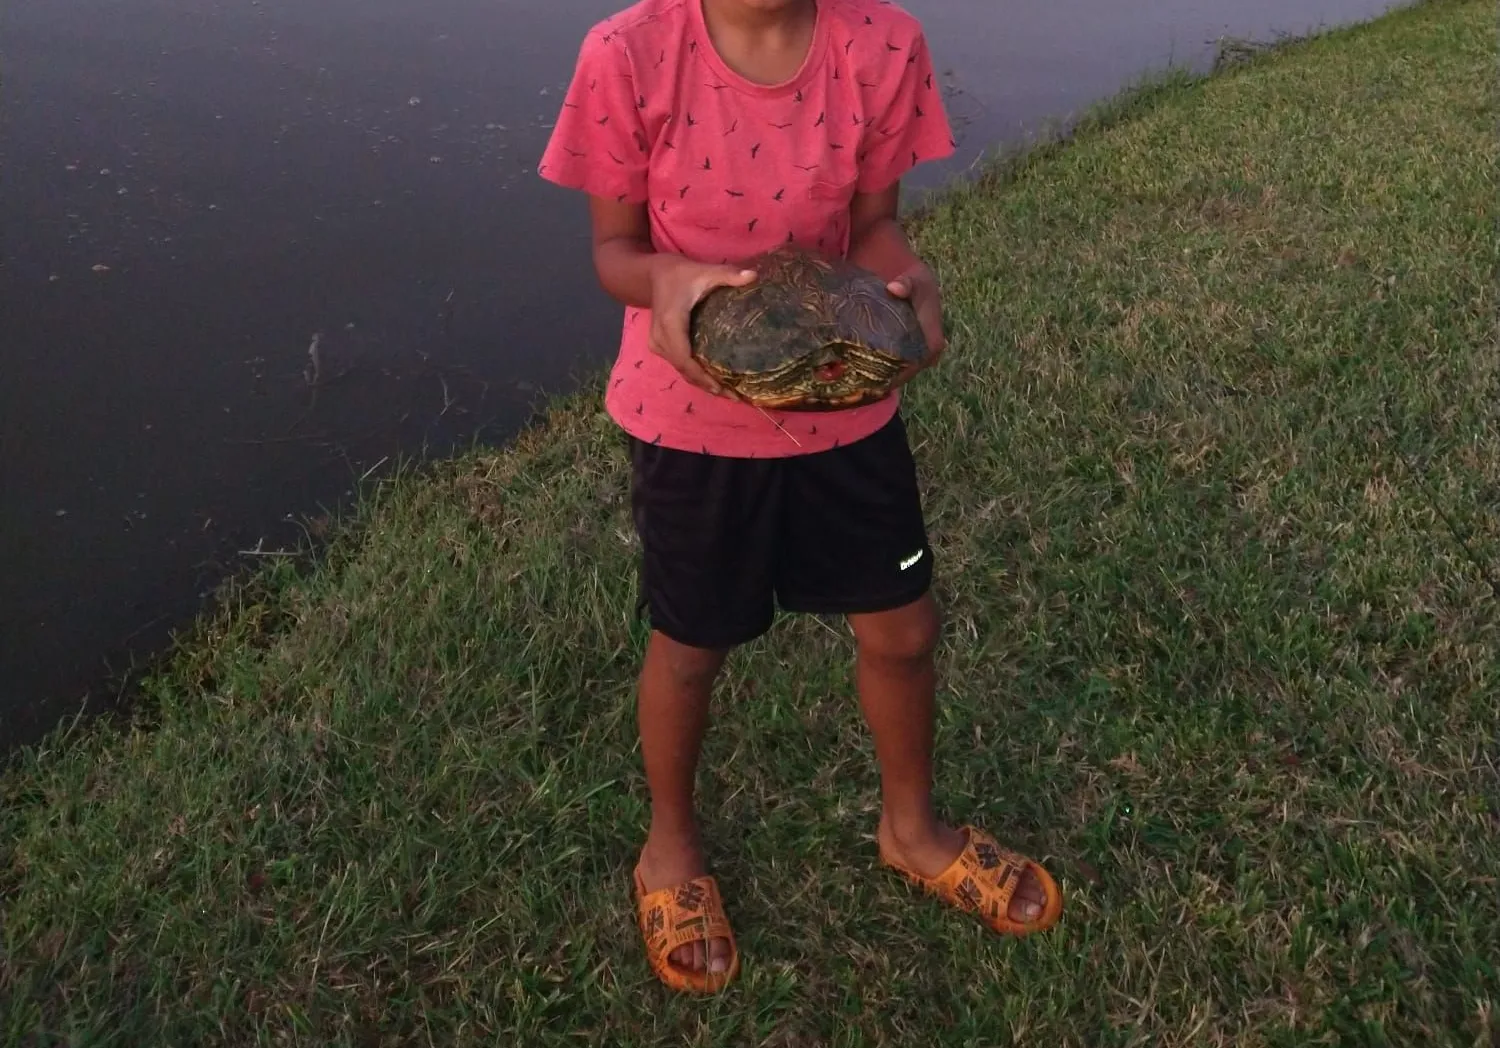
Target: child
(703,132)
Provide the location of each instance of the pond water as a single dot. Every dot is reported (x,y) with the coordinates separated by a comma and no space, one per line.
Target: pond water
(192,190)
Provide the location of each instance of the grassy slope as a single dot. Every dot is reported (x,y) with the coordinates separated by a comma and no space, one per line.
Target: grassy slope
(1223,374)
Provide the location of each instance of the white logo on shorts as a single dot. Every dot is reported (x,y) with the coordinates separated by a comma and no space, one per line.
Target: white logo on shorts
(909,561)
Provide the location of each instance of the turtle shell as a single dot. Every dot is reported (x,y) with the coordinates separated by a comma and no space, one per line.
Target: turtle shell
(810,333)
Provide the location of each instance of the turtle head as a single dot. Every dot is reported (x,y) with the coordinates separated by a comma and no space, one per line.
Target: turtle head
(835,374)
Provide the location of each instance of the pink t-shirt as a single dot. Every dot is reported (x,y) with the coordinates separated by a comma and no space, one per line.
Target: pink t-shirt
(729,168)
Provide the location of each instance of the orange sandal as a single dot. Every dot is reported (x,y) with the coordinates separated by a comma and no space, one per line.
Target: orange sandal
(981,881)
(685,913)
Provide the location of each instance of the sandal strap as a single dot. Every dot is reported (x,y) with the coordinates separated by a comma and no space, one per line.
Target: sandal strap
(690,912)
(986,875)
(983,879)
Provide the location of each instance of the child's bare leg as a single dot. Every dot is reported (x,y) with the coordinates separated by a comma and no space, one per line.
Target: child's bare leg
(897,684)
(675,685)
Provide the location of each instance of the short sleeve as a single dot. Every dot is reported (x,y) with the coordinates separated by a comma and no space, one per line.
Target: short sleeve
(599,143)
(910,125)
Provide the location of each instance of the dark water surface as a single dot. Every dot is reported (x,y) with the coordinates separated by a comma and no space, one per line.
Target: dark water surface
(257,172)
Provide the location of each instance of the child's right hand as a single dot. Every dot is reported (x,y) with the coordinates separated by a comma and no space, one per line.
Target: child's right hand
(677,285)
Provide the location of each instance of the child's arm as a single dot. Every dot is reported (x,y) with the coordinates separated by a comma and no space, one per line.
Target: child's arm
(908,125)
(878,243)
(600,146)
(667,284)
(876,239)
(624,259)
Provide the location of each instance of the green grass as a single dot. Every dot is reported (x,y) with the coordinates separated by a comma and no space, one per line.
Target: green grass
(1213,471)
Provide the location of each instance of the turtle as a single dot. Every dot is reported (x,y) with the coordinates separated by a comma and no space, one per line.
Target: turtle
(810,333)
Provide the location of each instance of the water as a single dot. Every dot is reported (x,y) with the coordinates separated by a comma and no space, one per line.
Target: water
(191,190)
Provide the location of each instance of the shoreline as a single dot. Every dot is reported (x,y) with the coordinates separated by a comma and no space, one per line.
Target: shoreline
(115,699)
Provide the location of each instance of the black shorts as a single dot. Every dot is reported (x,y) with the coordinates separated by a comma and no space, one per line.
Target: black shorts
(726,540)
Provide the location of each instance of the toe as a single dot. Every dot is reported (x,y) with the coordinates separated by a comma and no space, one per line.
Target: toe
(1029,900)
(719,956)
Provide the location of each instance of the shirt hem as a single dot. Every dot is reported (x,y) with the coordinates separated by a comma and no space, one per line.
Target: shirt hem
(783,446)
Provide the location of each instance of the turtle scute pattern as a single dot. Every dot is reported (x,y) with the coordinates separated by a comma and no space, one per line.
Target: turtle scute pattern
(810,333)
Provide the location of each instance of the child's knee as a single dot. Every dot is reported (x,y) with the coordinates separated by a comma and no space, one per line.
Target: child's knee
(907,635)
(695,673)
(688,667)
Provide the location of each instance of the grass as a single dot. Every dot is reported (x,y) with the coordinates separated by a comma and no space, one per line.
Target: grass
(1213,469)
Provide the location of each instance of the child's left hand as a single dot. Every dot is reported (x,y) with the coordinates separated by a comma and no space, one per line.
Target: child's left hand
(919,285)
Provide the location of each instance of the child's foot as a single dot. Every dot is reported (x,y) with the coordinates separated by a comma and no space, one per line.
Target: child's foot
(665,863)
(930,850)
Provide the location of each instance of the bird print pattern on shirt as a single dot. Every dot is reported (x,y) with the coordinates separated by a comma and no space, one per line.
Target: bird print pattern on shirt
(727,172)
(692,125)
